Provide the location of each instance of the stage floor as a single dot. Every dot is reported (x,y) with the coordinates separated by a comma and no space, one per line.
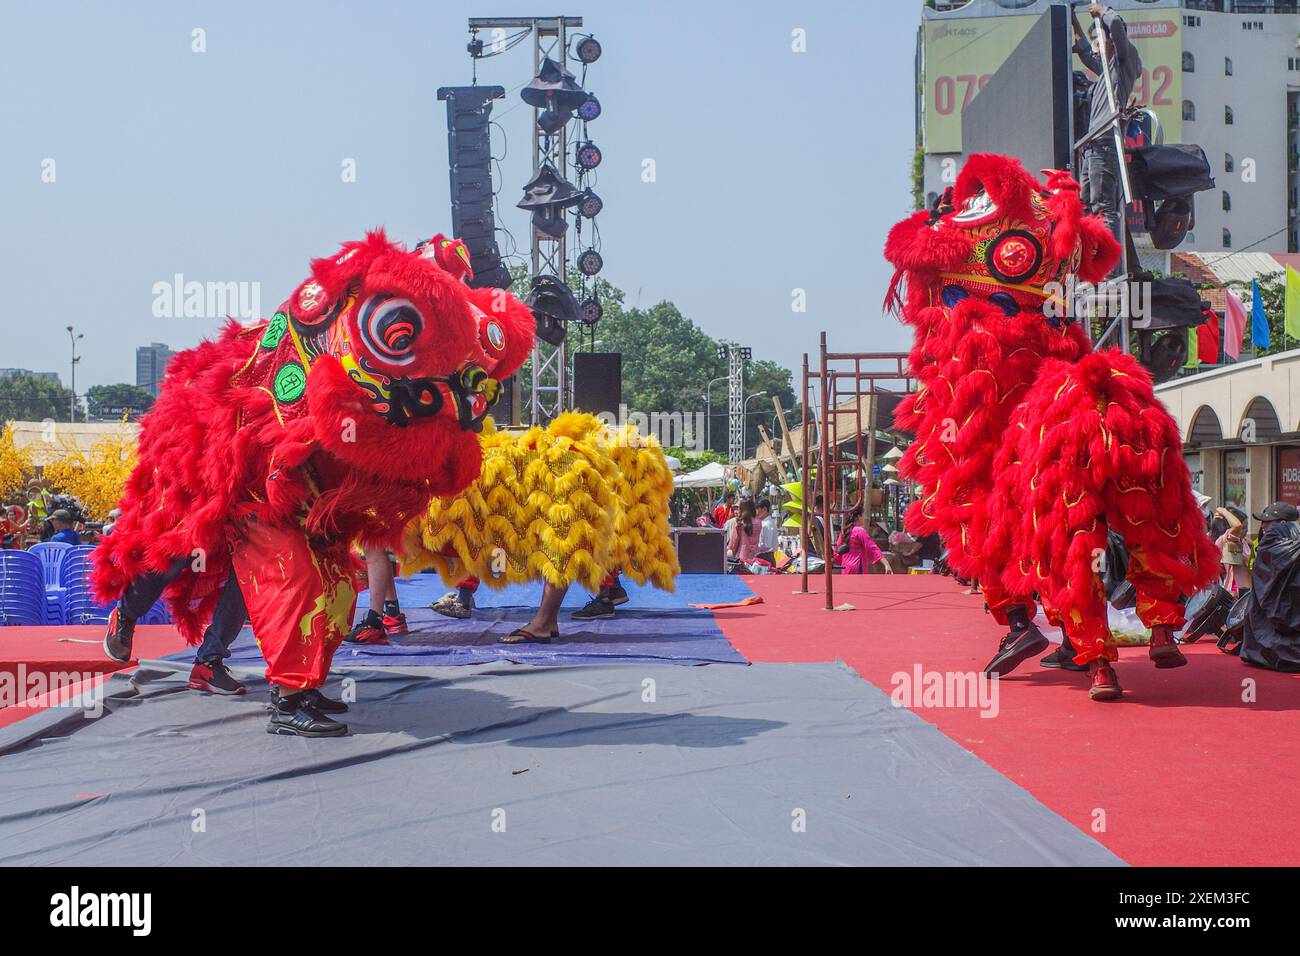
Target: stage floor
(713,769)
(606,764)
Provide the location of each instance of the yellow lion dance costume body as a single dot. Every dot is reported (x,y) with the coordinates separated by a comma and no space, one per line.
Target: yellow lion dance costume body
(566,504)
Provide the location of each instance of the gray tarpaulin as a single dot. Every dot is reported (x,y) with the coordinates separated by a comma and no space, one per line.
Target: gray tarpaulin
(504,764)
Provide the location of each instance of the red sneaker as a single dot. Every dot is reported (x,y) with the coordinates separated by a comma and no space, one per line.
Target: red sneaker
(1105,685)
(395,625)
(1163,650)
(366,632)
(215,678)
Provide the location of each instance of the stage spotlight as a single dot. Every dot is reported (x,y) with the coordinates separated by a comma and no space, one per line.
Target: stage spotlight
(550,221)
(553,87)
(549,188)
(590,263)
(554,306)
(588,50)
(588,156)
(551,122)
(589,110)
(591,311)
(590,205)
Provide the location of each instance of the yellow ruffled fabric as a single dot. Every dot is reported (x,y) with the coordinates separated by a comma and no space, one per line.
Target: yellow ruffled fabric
(566,504)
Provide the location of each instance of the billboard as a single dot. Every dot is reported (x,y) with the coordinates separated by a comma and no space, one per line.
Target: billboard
(961,54)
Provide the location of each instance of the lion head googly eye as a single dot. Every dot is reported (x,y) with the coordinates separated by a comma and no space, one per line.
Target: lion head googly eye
(389,328)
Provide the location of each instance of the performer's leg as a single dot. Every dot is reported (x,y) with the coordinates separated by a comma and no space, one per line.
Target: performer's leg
(460,602)
(1158,607)
(210,672)
(141,594)
(384,618)
(545,623)
(300,601)
(1023,639)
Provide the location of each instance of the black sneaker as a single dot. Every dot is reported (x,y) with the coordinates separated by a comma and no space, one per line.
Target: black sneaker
(598,609)
(326,705)
(617,595)
(1016,648)
(1062,658)
(296,715)
(215,678)
(121,633)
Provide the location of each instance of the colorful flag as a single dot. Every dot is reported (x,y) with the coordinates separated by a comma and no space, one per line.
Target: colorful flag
(1193,351)
(1234,320)
(1207,339)
(1259,334)
(1291,320)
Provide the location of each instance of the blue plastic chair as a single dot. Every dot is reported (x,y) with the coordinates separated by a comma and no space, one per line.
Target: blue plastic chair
(22,589)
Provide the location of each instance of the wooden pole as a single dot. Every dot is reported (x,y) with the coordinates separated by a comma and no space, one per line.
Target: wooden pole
(803,480)
(824,474)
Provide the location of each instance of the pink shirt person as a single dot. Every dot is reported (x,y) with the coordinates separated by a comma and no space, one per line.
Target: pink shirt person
(862,552)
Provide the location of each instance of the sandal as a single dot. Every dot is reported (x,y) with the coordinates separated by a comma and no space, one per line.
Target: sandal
(527,637)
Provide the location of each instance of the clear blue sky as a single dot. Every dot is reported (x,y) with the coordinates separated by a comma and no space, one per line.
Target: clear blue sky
(776,169)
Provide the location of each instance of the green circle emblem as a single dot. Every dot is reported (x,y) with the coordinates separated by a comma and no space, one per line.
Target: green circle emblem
(290,383)
(275,330)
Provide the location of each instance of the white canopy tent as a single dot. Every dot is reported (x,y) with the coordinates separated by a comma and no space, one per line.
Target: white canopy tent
(711,475)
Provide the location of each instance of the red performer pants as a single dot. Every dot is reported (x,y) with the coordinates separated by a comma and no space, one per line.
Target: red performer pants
(1157,605)
(1000,600)
(300,599)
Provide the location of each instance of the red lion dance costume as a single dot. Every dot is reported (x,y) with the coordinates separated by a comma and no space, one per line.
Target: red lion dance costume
(273,450)
(1030,445)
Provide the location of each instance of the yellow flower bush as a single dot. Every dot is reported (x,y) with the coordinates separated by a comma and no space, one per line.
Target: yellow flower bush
(95,478)
(15,466)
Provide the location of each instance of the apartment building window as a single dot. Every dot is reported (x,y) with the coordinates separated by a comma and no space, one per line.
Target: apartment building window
(1191,21)
(1227,115)
(1189,110)
(1227,66)
(1227,201)
(1227,239)
(1228,164)
(1189,62)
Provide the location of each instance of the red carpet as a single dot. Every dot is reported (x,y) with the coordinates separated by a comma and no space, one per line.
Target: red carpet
(1179,773)
(59,654)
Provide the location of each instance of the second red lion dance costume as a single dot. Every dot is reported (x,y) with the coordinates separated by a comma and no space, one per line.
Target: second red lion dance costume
(1029,445)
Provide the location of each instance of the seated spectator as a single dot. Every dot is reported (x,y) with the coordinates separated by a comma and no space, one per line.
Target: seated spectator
(64,527)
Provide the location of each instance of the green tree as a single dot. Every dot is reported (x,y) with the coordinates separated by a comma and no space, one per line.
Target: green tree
(97,396)
(668,361)
(30,398)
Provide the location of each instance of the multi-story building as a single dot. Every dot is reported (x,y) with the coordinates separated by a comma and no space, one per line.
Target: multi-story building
(28,373)
(1223,74)
(150,365)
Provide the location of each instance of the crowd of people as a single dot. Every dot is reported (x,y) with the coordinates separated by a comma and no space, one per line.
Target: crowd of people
(38,513)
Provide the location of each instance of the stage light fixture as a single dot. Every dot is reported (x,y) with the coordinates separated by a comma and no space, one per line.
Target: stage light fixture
(591,311)
(588,50)
(554,306)
(589,110)
(590,263)
(549,188)
(553,87)
(590,205)
(552,121)
(588,156)
(550,221)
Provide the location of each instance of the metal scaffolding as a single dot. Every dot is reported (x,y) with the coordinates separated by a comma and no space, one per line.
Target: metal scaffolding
(550,366)
(839,379)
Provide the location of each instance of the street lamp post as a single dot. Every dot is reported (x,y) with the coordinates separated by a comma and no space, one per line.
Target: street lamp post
(708,410)
(744,420)
(72,401)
